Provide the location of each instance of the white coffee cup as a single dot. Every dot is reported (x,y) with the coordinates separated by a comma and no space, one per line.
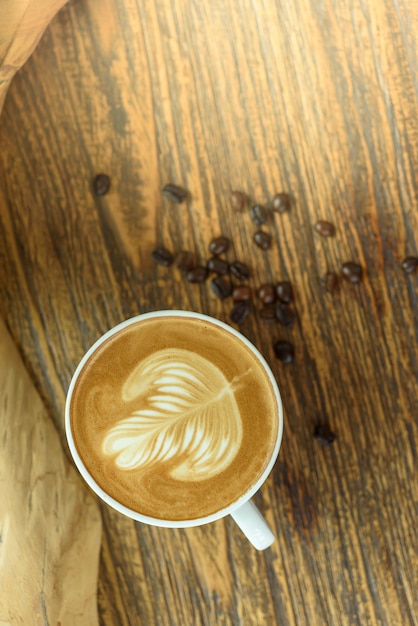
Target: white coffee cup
(243,510)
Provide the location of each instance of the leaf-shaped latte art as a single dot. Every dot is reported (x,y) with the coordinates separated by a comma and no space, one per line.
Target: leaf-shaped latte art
(187,414)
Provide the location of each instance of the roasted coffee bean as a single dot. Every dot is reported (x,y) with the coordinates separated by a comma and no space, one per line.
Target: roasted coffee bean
(284,315)
(239,270)
(101,184)
(239,312)
(268,313)
(262,239)
(221,287)
(162,256)
(284,292)
(217,265)
(284,351)
(238,201)
(325,229)
(266,293)
(410,264)
(219,245)
(329,281)
(352,272)
(241,292)
(258,214)
(196,274)
(324,435)
(281,202)
(185,260)
(175,193)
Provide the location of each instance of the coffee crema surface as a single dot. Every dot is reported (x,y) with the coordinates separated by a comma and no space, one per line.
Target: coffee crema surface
(174,417)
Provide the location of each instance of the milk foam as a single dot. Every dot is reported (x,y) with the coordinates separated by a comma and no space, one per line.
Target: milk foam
(182,409)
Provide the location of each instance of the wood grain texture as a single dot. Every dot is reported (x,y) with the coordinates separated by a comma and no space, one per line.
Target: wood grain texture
(22,24)
(319,99)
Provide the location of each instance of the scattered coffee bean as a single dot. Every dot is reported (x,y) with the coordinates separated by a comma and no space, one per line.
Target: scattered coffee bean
(196,274)
(284,315)
(238,201)
(101,184)
(266,293)
(284,292)
(284,351)
(262,239)
(241,292)
(410,264)
(324,435)
(325,229)
(352,272)
(329,281)
(217,265)
(239,270)
(219,245)
(185,260)
(258,214)
(239,312)
(175,193)
(281,202)
(162,256)
(268,313)
(221,287)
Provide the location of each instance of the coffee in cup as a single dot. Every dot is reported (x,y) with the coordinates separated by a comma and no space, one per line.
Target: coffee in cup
(175,416)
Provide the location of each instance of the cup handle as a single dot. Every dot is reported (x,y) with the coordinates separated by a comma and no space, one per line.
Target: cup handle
(253,525)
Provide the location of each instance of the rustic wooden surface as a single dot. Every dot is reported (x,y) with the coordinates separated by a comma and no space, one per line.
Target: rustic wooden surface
(316,98)
(22,23)
(49,521)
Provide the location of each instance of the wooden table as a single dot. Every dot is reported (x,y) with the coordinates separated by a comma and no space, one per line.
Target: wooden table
(318,99)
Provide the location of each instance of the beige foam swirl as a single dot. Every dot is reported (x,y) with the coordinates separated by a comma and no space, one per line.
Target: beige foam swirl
(186,412)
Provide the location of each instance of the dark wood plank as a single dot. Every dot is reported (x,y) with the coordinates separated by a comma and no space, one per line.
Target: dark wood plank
(317,99)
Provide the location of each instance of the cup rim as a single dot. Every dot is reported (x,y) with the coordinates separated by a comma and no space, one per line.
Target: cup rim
(115,504)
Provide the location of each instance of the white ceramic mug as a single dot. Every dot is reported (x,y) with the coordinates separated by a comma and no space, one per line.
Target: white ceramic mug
(243,510)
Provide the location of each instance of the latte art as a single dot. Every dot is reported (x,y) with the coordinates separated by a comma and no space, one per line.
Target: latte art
(174,417)
(180,415)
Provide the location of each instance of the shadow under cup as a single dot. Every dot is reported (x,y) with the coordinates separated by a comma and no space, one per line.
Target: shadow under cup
(174,418)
